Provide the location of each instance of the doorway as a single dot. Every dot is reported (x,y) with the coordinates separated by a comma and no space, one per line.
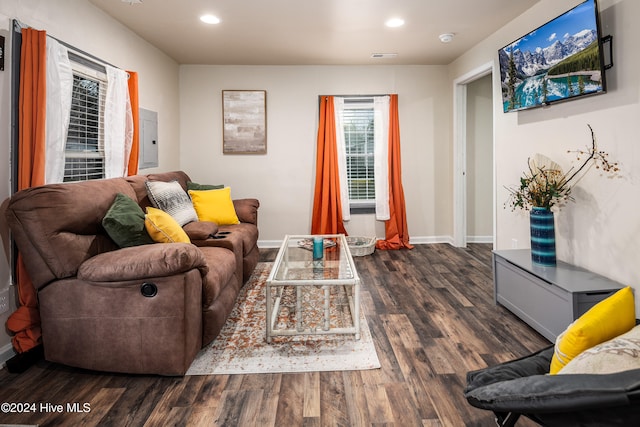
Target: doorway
(474,177)
(479,161)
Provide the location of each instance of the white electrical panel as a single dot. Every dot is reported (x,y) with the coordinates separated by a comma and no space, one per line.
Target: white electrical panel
(148,139)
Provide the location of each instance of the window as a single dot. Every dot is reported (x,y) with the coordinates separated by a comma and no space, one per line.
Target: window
(89,127)
(358,123)
(84,150)
(362,145)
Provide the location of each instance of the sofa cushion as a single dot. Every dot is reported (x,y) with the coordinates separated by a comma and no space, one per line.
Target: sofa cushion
(171,198)
(59,226)
(619,354)
(609,318)
(215,206)
(195,186)
(163,228)
(124,223)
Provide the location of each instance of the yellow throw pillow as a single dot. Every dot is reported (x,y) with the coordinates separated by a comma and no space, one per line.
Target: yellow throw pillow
(214,206)
(606,320)
(163,228)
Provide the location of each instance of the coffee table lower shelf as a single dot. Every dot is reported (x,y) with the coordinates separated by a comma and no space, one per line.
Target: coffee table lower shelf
(324,328)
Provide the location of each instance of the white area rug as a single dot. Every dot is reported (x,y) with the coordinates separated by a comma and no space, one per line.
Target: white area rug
(241,347)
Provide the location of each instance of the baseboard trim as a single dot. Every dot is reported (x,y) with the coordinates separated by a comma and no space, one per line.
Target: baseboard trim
(266,244)
(479,239)
(428,240)
(6,353)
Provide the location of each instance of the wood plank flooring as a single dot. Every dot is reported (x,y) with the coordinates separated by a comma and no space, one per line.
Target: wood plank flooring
(431,314)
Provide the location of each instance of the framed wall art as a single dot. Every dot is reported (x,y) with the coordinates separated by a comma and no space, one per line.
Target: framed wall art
(244,121)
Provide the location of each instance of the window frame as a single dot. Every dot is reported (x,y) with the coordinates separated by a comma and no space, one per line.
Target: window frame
(368,205)
(86,69)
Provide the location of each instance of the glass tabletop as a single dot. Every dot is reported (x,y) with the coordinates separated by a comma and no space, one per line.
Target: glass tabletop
(295,263)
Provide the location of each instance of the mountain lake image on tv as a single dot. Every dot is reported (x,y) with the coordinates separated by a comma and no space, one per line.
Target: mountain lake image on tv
(560,60)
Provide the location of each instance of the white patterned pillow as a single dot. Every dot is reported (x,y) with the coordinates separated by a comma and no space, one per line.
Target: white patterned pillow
(622,353)
(171,198)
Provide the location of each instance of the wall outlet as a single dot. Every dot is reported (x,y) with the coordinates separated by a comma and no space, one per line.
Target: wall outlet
(514,243)
(4,301)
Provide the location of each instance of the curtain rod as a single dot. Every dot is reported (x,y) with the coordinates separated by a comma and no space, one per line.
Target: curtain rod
(82,52)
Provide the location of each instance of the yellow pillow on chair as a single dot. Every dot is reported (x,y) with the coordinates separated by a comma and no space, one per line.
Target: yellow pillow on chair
(214,206)
(609,318)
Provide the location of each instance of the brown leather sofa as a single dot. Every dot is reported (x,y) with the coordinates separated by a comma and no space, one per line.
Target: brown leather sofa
(145,309)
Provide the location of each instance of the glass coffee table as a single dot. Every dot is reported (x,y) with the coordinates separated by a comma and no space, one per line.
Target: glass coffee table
(307,296)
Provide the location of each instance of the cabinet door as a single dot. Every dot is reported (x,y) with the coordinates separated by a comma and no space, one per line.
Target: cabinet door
(543,306)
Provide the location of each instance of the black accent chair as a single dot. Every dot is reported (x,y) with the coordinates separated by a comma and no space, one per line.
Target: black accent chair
(521,388)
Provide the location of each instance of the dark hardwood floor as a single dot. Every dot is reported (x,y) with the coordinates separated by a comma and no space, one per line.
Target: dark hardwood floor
(432,316)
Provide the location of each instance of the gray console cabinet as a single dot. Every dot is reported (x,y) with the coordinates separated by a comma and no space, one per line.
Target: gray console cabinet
(547,298)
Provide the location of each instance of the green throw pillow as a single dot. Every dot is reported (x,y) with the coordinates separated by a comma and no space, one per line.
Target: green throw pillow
(200,187)
(124,223)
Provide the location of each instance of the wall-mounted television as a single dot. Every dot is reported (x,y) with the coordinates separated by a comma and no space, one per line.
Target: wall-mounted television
(561,60)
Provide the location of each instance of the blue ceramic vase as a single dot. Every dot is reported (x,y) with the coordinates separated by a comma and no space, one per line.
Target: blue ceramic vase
(543,237)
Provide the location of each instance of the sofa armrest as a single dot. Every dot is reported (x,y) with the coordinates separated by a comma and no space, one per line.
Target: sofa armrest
(200,230)
(558,393)
(247,210)
(537,363)
(523,386)
(142,262)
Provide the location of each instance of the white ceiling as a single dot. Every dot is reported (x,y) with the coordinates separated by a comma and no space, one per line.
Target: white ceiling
(313,32)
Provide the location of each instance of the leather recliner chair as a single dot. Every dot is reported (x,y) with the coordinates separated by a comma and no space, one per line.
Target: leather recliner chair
(522,387)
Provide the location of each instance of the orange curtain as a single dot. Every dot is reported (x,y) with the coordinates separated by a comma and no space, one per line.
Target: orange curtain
(396,230)
(132,168)
(327,208)
(25,321)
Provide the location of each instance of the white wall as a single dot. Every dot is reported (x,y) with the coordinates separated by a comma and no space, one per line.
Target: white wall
(80,24)
(283,179)
(600,230)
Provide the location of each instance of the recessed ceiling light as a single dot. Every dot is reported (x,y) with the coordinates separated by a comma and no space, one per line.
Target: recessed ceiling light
(210,19)
(446,38)
(384,55)
(132,2)
(394,22)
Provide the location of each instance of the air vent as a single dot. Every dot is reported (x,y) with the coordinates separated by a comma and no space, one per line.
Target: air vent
(384,55)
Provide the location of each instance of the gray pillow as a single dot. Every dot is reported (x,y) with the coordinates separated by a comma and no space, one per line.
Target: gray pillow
(171,198)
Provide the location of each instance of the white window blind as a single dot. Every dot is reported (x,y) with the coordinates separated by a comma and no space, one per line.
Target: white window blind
(358,124)
(84,150)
